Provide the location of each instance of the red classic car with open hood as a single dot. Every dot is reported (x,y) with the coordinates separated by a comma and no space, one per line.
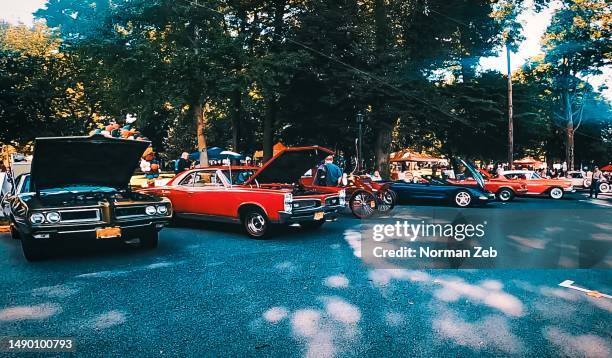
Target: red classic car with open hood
(503,188)
(255,197)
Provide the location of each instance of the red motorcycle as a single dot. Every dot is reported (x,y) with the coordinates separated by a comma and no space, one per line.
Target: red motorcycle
(365,197)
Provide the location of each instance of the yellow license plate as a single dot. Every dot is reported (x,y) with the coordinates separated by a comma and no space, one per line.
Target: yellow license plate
(318,216)
(108,233)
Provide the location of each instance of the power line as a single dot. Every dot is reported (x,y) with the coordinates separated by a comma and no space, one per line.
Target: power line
(353,68)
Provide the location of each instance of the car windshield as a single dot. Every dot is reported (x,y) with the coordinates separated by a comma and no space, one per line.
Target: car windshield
(239,176)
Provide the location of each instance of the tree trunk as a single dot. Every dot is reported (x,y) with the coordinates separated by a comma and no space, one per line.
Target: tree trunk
(269,120)
(236,119)
(200,112)
(569,129)
(510,113)
(272,102)
(382,148)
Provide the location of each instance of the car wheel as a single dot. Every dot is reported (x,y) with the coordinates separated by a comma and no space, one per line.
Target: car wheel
(32,249)
(363,204)
(462,199)
(556,193)
(387,200)
(586,183)
(149,240)
(256,223)
(312,225)
(604,187)
(14,232)
(505,194)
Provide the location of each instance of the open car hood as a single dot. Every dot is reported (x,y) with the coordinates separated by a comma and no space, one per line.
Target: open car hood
(96,160)
(288,165)
(472,170)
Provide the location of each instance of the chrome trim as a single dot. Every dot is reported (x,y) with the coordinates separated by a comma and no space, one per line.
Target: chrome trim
(75,231)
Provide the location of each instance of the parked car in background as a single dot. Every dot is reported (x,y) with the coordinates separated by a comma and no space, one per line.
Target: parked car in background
(254,197)
(538,186)
(446,190)
(504,189)
(69,195)
(581,179)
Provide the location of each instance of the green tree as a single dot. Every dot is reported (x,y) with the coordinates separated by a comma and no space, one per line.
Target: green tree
(576,45)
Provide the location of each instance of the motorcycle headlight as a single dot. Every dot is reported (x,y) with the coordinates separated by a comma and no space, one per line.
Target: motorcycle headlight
(162,210)
(342,197)
(288,202)
(53,217)
(150,210)
(37,218)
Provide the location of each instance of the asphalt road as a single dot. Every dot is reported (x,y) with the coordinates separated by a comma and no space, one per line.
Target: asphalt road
(208,290)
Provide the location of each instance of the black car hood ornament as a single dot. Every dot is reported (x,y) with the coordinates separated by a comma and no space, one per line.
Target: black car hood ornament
(96,160)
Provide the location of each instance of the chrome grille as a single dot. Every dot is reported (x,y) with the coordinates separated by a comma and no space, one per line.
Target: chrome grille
(305,204)
(129,211)
(79,215)
(333,201)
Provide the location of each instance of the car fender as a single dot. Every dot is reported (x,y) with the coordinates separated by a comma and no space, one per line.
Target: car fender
(253,203)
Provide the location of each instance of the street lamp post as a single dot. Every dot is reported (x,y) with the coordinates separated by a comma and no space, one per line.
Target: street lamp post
(359,123)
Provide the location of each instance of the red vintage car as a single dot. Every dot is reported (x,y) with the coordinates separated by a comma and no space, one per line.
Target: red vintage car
(255,197)
(503,188)
(538,186)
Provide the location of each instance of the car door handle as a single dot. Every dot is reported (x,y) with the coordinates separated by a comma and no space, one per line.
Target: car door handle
(165,192)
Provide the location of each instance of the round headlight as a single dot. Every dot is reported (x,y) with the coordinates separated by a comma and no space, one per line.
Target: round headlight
(150,210)
(162,209)
(37,218)
(53,217)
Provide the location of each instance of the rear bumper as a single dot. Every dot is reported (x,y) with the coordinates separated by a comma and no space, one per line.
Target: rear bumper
(329,213)
(569,190)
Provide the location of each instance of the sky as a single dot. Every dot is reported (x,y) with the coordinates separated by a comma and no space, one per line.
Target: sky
(534,25)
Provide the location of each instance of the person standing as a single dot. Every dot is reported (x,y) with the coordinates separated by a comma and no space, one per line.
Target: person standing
(500,170)
(597,174)
(329,174)
(182,163)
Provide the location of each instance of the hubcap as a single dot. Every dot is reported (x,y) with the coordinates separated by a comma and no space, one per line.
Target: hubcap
(463,199)
(556,193)
(604,188)
(256,223)
(504,195)
(362,205)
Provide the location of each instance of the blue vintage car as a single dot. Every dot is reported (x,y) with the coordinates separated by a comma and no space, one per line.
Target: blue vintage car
(438,189)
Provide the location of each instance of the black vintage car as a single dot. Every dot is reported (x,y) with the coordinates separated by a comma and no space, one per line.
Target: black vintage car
(78,189)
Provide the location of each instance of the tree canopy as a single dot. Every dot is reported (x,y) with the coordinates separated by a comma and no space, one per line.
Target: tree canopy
(243,75)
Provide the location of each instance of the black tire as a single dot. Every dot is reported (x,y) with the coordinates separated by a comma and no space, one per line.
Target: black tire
(14,232)
(363,204)
(149,240)
(505,195)
(462,199)
(33,250)
(387,199)
(556,193)
(312,225)
(255,223)
(604,187)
